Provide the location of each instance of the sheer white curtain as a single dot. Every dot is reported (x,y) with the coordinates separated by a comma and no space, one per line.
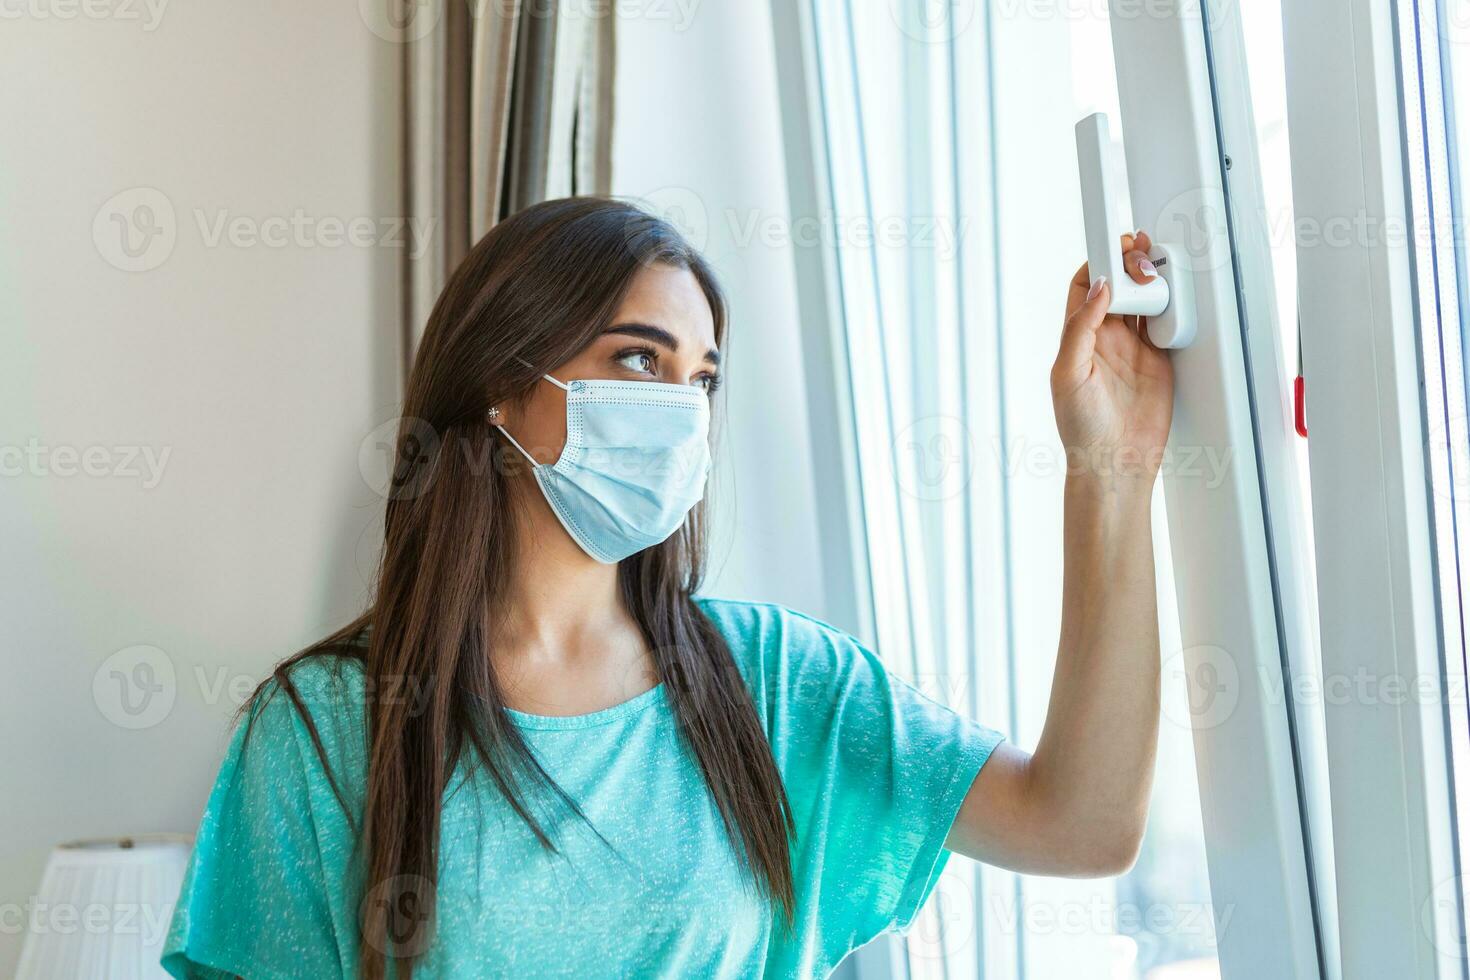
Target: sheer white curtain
(954,208)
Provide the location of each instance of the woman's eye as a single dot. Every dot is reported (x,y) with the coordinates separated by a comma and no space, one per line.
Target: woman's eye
(640,361)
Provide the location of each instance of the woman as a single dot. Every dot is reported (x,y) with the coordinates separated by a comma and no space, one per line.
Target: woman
(539,753)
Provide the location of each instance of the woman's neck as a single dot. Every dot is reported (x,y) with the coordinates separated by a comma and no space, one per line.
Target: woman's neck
(562,632)
(555,596)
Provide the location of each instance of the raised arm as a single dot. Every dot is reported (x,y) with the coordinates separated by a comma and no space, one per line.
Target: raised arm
(1078,805)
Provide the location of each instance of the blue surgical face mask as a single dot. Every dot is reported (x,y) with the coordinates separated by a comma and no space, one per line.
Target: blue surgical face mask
(634,464)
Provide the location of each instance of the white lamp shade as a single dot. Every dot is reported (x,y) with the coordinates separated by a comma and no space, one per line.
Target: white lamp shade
(103,910)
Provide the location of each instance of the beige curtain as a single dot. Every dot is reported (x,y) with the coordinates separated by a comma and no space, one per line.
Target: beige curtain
(506,103)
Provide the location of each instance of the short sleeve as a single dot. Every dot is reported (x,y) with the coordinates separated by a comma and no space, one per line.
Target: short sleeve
(883,771)
(254,902)
(875,771)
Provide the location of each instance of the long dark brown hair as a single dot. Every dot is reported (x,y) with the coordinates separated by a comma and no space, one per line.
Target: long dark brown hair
(536,290)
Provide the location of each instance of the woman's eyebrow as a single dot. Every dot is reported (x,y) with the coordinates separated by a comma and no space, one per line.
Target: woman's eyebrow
(658,335)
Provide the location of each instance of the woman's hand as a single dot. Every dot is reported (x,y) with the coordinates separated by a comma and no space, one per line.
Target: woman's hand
(1079,804)
(1112,390)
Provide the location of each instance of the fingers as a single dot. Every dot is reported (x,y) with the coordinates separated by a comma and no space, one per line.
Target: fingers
(1077,290)
(1135,257)
(1136,264)
(1140,269)
(1137,240)
(1082,279)
(1079,335)
(1143,333)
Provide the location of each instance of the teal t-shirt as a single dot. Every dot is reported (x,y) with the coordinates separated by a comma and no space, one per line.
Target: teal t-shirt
(875,772)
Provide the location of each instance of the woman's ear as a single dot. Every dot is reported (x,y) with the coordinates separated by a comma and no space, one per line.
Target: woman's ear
(502,413)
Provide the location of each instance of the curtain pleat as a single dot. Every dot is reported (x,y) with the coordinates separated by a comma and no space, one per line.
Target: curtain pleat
(592,172)
(492,80)
(531,106)
(506,103)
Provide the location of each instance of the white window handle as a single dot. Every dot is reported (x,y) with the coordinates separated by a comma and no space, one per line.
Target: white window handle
(1167,301)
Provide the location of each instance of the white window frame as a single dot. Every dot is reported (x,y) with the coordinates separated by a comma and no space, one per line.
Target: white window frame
(1250,802)
(1391,806)
(1254,220)
(1252,808)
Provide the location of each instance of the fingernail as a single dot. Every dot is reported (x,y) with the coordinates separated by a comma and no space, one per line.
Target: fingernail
(1148,268)
(1097,285)
(1137,232)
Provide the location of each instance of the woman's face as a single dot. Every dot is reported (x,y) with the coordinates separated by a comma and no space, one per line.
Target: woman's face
(663,331)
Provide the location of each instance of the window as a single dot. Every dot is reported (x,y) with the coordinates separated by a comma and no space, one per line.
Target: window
(1369,113)
(1310,155)
(1436,82)
(955,209)
(951,127)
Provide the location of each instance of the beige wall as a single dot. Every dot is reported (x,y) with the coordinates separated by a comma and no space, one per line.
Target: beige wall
(257,369)
(220,397)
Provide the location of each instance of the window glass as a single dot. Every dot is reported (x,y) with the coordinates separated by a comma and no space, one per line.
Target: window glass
(957,217)
(1436,63)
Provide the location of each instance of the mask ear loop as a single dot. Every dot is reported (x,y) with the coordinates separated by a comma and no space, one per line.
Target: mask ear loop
(506,433)
(548,377)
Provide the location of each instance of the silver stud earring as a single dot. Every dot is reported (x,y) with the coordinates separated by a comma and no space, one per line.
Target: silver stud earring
(493,416)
